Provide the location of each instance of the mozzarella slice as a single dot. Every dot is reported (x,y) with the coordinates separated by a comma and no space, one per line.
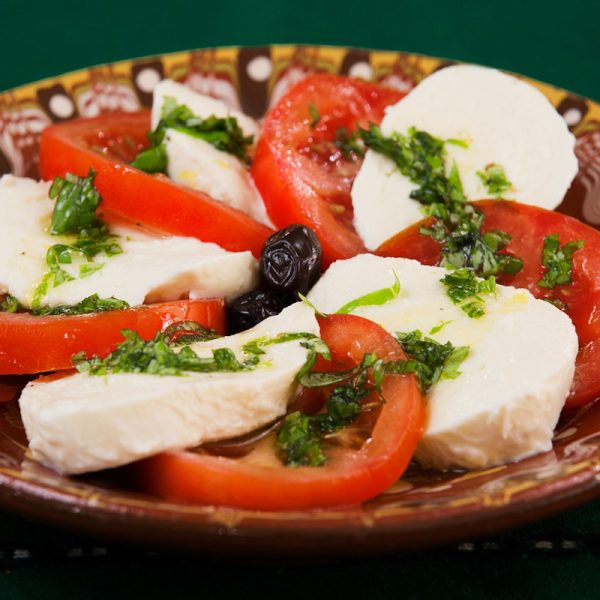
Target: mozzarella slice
(201,105)
(150,269)
(85,423)
(505,404)
(199,165)
(502,119)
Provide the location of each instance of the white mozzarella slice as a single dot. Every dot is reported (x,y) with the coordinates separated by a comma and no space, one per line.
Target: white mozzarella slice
(199,165)
(151,268)
(505,404)
(201,105)
(85,423)
(502,119)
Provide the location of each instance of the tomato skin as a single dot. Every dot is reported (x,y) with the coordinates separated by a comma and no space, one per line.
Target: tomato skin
(30,344)
(350,476)
(528,225)
(296,186)
(153,200)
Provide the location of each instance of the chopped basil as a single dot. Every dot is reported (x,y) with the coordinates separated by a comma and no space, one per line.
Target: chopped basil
(494,179)
(420,157)
(558,261)
(9,304)
(376,298)
(349,144)
(74,214)
(224,133)
(308,303)
(158,357)
(464,289)
(76,203)
(300,436)
(428,359)
(438,328)
(91,304)
(314,115)
(152,160)
(188,332)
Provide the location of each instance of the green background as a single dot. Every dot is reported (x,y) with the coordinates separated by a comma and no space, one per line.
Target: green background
(553,41)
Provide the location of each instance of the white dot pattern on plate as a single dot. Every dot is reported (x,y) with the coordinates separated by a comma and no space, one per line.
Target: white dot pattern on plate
(362,70)
(259,68)
(147,79)
(61,106)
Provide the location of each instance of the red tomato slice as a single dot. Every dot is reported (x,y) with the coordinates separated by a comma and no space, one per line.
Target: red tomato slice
(302,176)
(104,143)
(350,475)
(30,344)
(528,225)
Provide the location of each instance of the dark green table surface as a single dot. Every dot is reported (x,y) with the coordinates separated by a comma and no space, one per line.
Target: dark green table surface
(553,41)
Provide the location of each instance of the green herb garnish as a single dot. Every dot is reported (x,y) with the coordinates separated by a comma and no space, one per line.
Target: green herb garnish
(314,115)
(91,304)
(9,304)
(438,328)
(76,203)
(376,298)
(420,157)
(558,261)
(429,360)
(464,289)
(300,436)
(74,214)
(224,133)
(158,356)
(349,144)
(494,179)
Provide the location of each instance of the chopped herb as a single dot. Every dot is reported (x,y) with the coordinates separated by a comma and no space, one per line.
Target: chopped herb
(188,332)
(308,303)
(428,359)
(88,269)
(439,327)
(76,203)
(558,261)
(152,160)
(300,436)
(349,144)
(556,302)
(9,304)
(91,304)
(75,213)
(376,298)
(224,133)
(158,357)
(314,115)
(494,179)
(464,289)
(420,157)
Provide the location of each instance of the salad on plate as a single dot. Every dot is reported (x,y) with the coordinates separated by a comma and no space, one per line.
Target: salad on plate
(284,314)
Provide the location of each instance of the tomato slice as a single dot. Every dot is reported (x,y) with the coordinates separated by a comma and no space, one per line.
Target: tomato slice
(30,344)
(107,143)
(528,226)
(302,176)
(350,475)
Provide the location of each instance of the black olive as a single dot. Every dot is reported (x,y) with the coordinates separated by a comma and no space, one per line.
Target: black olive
(252,308)
(291,260)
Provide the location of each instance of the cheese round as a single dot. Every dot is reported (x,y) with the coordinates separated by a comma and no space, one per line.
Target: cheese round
(506,402)
(501,119)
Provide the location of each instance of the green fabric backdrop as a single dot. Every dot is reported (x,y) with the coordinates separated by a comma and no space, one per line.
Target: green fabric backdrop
(553,41)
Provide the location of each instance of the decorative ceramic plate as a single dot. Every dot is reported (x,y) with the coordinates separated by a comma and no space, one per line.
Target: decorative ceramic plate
(423,508)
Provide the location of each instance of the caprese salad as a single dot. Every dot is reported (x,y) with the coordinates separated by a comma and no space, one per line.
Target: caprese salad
(284,315)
